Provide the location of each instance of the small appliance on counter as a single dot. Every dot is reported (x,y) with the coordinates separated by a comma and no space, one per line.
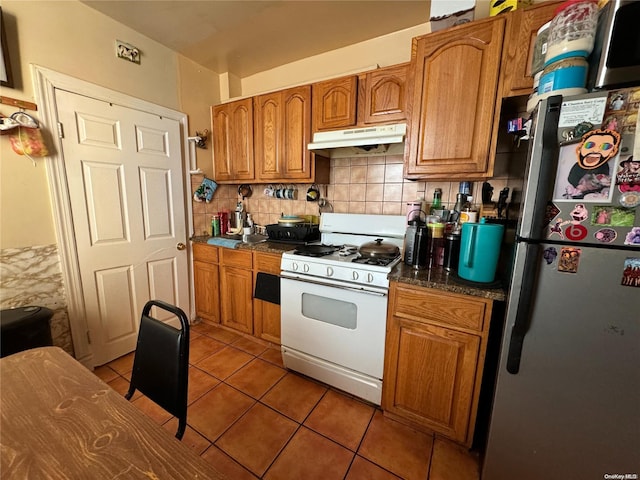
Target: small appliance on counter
(293,229)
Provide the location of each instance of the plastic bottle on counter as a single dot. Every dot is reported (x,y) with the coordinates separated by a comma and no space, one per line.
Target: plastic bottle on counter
(215,226)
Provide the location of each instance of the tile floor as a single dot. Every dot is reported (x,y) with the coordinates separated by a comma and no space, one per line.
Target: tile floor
(251,418)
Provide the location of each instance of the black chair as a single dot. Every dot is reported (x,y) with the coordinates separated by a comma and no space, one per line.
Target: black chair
(161,363)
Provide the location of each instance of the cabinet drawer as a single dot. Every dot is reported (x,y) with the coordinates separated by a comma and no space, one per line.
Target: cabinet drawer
(205,253)
(427,305)
(267,262)
(236,258)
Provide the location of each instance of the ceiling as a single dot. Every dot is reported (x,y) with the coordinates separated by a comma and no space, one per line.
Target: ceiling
(245,37)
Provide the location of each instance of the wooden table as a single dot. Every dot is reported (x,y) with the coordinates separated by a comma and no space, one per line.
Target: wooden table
(59,421)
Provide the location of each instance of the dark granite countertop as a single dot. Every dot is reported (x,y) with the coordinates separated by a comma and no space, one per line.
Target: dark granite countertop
(266,247)
(436,278)
(440,279)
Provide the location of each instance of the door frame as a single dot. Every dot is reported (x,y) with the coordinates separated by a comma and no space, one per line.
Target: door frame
(46,81)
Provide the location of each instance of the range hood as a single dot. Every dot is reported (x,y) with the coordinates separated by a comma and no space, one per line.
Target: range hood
(376,140)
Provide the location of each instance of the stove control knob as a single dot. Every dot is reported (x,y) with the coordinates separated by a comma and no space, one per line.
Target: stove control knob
(294,265)
(355,275)
(305,268)
(329,272)
(369,277)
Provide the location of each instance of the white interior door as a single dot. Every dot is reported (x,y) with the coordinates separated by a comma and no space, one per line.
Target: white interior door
(124,174)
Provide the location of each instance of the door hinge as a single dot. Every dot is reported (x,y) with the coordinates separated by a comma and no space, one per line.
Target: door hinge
(60,130)
(88,337)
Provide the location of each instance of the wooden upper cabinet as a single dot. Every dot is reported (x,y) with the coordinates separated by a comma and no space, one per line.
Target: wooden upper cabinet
(520,38)
(282,122)
(383,95)
(334,103)
(233,141)
(454,102)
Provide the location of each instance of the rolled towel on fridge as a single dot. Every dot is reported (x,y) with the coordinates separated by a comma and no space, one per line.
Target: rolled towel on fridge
(267,288)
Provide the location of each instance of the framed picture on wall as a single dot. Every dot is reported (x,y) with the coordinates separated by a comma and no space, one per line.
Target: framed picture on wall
(6,79)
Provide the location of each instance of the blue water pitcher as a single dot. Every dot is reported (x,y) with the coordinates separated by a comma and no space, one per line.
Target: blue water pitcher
(479,251)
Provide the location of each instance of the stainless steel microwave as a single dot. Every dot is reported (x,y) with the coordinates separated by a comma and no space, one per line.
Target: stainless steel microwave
(615,60)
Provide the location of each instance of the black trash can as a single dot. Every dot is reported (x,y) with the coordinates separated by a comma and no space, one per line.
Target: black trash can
(23,328)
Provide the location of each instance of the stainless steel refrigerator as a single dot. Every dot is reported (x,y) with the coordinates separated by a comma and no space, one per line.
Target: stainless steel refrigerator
(567,397)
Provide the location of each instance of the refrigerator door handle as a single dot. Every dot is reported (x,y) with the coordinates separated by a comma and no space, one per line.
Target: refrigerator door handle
(523,310)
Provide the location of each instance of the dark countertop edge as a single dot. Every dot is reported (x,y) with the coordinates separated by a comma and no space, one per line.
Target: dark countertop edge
(439,279)
(267,247)
(435,278)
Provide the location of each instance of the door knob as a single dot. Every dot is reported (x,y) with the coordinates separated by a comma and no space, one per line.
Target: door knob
(181,246)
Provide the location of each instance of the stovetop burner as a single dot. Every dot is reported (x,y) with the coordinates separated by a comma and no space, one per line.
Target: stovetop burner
(374,261)
(315,250)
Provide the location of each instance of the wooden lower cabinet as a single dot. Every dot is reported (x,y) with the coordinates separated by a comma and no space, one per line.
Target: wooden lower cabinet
(224,282)
(206,282)
(434,359)
(266,315)
(236,289)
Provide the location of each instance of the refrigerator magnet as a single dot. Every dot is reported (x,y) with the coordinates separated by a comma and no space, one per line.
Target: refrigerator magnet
(612,216)
(569,260)
(633,237)
(628,175)
(631,273)
(605,235)
(584,172)
(550,255)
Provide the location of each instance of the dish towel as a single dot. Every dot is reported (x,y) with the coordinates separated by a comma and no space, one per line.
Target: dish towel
(223,242)
(267,288)
(205,191)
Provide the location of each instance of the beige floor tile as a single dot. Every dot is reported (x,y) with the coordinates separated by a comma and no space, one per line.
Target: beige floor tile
(310,456)
(225,362)
(294,396)
(217,410)
(257,438)
(256,378)
(341,418)
(397,448)
(450,460)
(363,469)
(226,465)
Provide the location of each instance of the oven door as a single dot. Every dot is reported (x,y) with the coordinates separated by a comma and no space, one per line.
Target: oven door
(338,324)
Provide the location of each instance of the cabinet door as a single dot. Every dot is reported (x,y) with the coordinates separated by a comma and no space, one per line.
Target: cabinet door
(454,101)
(282,132)
(207,291)
(233,141)
(268,125)
(334,103)
(266,315)
(520,38)
(236,288)
(296,134)
(429,376)
(385,95)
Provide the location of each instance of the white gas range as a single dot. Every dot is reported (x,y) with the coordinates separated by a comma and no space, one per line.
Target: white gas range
(334,304)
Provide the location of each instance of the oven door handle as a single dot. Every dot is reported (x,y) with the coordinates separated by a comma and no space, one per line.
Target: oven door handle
(336,285)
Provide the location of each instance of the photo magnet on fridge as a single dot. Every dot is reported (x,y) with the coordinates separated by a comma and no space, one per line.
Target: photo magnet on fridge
(612,216)
(584,172)
(569,260)
(631,273)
